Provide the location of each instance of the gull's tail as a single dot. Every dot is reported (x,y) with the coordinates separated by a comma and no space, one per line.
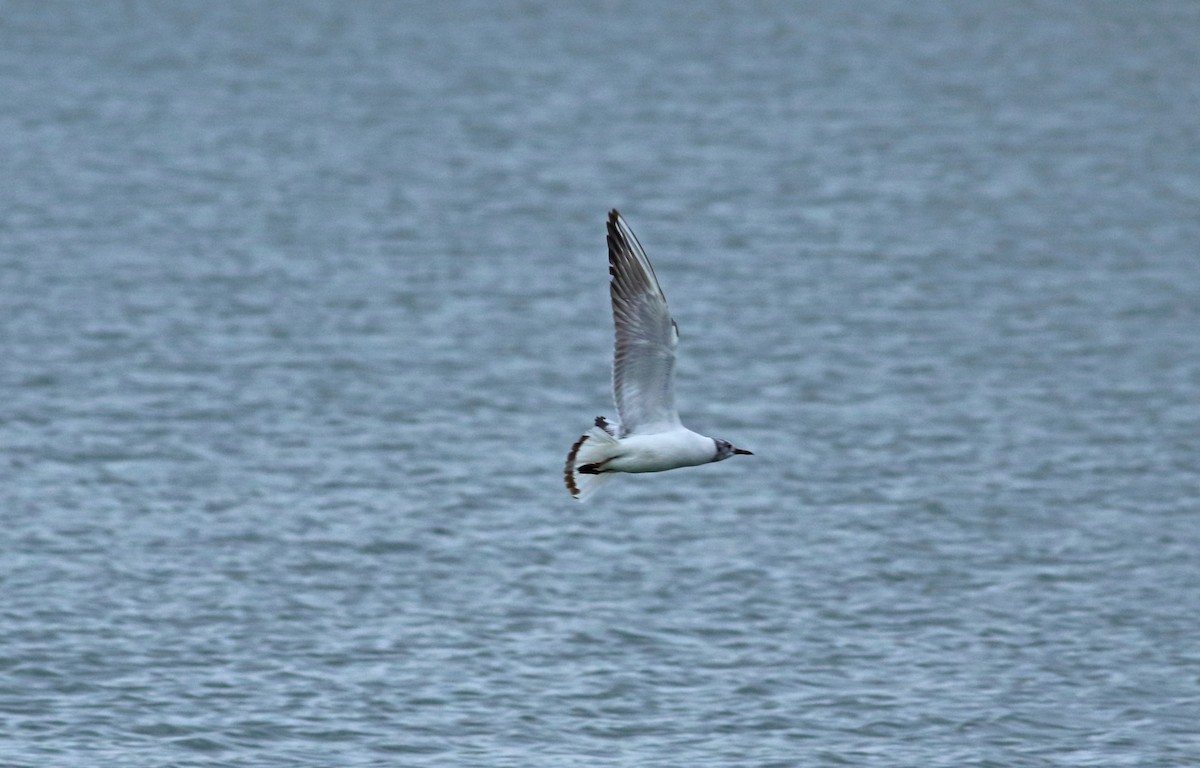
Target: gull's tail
(590,452)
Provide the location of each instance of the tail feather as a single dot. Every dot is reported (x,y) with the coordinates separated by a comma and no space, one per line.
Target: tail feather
(593,447)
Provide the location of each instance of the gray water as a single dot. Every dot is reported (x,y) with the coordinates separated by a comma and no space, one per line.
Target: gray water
(301,305)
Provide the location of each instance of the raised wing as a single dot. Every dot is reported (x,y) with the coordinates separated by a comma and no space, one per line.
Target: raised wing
(644,359)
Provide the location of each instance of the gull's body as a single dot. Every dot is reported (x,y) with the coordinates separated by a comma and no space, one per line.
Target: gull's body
(650,438)
(680,447)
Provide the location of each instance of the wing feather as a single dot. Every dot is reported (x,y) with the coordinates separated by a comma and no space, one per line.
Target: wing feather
(646,336)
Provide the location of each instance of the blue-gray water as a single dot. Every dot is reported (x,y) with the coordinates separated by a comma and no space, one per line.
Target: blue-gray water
(303,303)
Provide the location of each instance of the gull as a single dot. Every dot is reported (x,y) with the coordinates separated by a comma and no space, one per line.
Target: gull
(650,437)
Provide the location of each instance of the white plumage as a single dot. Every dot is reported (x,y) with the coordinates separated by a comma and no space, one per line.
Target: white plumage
(650,438)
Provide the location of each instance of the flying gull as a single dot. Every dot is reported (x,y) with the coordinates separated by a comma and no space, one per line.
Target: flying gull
(650,437)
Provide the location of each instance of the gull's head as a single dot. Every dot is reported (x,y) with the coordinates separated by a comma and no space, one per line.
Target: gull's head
(725,449)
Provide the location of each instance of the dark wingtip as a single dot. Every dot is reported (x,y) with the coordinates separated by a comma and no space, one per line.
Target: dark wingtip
(615,244)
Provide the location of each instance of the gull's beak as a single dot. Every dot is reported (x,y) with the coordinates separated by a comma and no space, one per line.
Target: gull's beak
(742,452)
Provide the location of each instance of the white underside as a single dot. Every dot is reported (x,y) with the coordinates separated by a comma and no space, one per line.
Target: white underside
(660,451)
(655,452)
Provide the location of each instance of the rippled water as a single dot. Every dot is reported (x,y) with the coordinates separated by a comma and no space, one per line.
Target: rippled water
(303,303)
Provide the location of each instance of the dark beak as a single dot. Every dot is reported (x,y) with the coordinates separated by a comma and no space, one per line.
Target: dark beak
(742,452)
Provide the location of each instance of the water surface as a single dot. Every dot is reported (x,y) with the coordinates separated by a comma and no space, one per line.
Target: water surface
(302,306)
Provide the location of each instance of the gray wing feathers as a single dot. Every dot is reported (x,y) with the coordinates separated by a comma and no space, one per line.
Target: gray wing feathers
(644,358)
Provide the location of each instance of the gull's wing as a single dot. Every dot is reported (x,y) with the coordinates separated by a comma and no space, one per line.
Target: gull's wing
(644,360)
